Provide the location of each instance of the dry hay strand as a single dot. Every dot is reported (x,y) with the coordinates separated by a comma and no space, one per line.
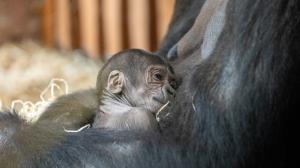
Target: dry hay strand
(31,111)
(26,68)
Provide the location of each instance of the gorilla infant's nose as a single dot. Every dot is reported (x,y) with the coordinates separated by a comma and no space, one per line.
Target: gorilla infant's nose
(174,84)
(171,92)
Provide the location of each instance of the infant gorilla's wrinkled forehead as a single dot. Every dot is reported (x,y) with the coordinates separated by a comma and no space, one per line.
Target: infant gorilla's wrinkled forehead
(131,62)
(134,82)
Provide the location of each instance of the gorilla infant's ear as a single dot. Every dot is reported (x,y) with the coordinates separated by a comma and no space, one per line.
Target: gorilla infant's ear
(115,81)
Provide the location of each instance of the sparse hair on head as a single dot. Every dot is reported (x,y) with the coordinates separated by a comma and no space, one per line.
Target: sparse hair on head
(130,61)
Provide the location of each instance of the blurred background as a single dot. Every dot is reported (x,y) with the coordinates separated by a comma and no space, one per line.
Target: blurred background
(69,39)
(98,27)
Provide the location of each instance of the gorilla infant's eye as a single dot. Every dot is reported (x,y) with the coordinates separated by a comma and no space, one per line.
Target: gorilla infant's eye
(157,74)
(158,77)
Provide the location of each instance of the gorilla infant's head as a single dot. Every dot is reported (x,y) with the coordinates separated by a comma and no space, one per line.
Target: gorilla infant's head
(144,79)
(134,81)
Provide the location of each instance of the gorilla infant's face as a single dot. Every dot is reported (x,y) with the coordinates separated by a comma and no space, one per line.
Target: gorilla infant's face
(155,88)
(138,79)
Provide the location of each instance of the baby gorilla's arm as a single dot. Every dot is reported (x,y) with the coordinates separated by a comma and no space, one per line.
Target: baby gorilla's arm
(72,111)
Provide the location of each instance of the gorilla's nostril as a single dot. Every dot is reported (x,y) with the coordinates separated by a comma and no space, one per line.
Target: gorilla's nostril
(174,84)
(170,92)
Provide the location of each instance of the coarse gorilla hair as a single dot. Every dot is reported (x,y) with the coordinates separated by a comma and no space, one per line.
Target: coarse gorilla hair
(46,145)
(230,111)
(233,108)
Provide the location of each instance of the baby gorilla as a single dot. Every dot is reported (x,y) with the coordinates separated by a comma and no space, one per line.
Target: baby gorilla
(132,86)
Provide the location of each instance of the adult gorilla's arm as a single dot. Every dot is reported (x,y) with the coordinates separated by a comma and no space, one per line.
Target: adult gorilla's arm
(44,144)
(200,41)
(184,15)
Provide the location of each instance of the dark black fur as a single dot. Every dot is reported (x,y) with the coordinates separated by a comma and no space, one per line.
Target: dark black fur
(222,117)
(47,145)
(248,128)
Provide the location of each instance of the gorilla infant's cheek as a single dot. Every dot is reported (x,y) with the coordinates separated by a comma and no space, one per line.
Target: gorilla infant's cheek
(140,96)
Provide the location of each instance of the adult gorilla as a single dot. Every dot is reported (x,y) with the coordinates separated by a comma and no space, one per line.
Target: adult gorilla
(239,85)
